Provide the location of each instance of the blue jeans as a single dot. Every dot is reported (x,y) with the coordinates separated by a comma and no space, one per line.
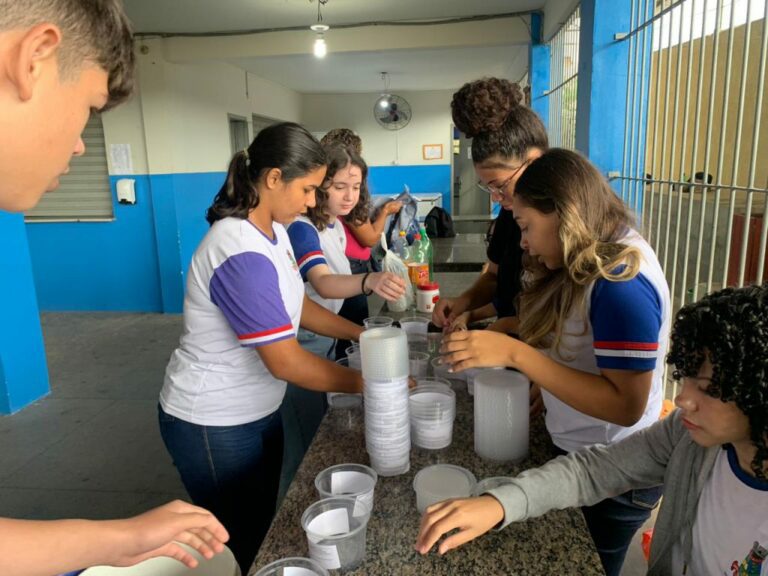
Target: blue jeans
(613,522)
(233,471)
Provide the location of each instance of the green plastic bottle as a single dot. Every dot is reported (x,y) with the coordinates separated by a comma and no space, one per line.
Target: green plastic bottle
(426,247)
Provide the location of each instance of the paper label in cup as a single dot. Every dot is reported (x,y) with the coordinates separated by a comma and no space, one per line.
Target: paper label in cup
(326,556)
(292,571)
(350,482)
(330,523)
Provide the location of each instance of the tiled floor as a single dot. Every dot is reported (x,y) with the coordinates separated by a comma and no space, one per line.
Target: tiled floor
(92,449)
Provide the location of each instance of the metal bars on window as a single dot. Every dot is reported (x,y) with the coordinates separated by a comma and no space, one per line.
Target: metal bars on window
(563,77)
(696,143)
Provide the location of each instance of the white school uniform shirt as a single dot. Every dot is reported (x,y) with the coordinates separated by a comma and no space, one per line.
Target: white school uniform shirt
(244,291)
(730,530)
(627,328)
(313,247)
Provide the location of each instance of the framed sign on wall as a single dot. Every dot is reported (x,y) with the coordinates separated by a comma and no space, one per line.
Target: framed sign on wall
(432,151)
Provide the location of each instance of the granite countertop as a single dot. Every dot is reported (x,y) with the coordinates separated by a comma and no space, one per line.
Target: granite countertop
(557,542)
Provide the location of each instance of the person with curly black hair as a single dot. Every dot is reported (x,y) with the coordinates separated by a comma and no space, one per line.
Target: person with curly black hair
(506,137)
(710,454)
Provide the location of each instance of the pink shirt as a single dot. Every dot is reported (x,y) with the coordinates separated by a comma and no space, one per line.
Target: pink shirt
(355,250)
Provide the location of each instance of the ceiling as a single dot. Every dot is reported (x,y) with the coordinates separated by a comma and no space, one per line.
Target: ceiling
(436,68)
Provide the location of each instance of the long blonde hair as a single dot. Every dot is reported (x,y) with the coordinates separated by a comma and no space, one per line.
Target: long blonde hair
(592,220)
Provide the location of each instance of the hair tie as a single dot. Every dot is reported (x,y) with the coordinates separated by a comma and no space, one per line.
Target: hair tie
(247,157)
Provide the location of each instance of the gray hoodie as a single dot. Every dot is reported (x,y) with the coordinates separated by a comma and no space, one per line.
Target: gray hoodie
(662,453)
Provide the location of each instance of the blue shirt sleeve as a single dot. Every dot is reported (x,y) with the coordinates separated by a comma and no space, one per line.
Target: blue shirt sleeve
(246,289)
(305,241)
(626,319)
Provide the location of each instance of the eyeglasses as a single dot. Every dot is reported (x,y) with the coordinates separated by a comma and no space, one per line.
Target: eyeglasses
(490,189)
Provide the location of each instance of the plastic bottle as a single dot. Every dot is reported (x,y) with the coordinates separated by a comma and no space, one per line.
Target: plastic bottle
(401,247)
(418,267)
(426,246)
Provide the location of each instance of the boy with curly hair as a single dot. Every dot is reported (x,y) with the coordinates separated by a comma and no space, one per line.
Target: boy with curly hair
(710,454)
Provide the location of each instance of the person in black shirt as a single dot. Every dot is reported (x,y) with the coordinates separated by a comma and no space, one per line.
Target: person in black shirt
(506,137)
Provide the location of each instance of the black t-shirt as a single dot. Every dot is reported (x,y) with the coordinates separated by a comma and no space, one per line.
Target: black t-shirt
(505,251)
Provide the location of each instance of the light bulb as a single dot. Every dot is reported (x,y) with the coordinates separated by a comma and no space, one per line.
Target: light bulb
(384,102)
(320,48)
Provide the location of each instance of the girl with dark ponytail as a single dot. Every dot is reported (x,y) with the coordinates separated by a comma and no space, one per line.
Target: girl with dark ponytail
(219,406)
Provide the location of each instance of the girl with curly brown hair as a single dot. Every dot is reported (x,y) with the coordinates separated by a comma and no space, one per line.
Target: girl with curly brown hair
(506,137)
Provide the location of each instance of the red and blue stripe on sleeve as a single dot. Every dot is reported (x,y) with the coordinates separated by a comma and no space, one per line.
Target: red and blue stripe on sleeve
(246,289)
(626,319)
(306,246)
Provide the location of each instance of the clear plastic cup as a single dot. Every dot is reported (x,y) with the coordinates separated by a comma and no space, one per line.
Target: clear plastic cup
(353,353)
(384,354)
(377,322)
(432,410)
(415,324)
(490,483)
(442,482)
(352,480)
(298,566)
(418,363)
(342,399)
(440,370)
(336,532)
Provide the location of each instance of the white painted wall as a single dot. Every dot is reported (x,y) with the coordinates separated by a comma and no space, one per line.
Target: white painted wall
(178,120)
(430,124)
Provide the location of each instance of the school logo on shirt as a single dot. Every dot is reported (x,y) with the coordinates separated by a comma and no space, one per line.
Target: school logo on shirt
(752,564)
(293,260)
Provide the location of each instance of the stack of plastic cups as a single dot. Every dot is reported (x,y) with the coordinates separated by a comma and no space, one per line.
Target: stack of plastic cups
(433,410)
(501,415)
(384,355)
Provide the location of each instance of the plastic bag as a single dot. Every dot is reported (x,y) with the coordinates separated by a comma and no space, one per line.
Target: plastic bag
(392,263)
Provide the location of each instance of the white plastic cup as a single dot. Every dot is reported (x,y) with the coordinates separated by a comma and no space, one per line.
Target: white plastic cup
(352,480)
(377,322)
(432,407)
(336,532)
(294,566)
(501,415)
(418,363)
(441,482)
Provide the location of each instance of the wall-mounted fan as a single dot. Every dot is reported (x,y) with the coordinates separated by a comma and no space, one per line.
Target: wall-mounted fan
(392,111)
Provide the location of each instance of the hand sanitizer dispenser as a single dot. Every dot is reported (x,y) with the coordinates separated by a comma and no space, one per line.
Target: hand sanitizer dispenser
(126,193)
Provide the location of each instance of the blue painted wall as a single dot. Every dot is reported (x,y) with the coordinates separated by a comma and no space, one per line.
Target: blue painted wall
(23,368)
(137,262)
(420,178)
(99,265)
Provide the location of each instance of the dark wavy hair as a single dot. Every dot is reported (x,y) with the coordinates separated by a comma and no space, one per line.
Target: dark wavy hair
(730,328)
(287,146)
(493,113)
(339,157)
(343,137)
(93,32)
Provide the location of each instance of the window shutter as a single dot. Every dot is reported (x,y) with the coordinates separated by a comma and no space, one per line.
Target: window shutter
(83,194)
